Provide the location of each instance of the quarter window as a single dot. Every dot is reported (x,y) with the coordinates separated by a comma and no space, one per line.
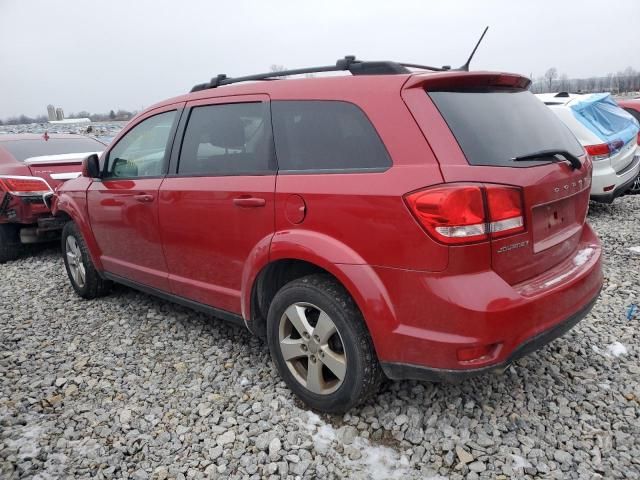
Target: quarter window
(325,136)
(228,139)
(142,151)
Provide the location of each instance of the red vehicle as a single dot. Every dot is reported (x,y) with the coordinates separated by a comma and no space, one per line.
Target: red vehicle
(632,105)
(414,225)
(30,167)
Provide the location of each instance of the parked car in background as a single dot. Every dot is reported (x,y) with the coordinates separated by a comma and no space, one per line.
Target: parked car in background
(632,105)
(413,225)
(31,166)
(609,135)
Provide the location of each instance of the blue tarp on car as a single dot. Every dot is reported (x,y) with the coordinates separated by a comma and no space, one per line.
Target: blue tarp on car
(602,115)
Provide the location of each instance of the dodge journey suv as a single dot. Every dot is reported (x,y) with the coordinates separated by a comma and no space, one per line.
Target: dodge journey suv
(391,222)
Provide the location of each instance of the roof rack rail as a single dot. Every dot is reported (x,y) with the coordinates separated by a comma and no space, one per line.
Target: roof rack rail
(348,63)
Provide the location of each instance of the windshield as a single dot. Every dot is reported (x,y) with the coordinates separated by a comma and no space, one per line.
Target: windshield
(23,149)
(493,127)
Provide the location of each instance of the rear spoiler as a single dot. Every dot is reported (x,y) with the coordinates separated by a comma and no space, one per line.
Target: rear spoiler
(461,80)
(64,158)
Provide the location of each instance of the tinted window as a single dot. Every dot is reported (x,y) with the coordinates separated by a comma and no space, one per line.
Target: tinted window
(492,127)
(142,150)
(635,113)
(23,149)
(227,139)
(325,135)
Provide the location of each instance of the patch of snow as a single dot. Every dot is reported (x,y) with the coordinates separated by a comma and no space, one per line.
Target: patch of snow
(616,349)
(582,256)
(376,462)
(635,249)
(25,440)
(519,462)
(380,463)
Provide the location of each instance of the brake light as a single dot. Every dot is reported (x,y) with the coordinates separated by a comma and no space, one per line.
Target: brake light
(24,186)
(467,213)
(505,210)
(603,151)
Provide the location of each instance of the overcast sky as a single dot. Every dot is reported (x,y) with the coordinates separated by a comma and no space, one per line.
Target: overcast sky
(97,56)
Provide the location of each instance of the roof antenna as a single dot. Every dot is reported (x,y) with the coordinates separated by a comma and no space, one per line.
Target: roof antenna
(465,67)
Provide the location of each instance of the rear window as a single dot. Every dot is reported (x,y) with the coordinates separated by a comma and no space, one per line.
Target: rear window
(634,113)
(494,126)
(325,136)
(24,149)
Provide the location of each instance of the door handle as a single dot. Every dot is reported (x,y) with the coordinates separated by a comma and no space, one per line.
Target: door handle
(249,202)
(144,198)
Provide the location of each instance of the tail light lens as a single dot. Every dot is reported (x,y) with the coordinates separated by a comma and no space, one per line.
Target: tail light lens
(24,186)
(467,213)
(603,151)
(505,210)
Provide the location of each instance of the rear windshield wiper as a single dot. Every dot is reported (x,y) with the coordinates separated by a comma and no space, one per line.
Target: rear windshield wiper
(552,155)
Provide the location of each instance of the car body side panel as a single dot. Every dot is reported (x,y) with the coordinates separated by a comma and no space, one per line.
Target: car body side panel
(72,201)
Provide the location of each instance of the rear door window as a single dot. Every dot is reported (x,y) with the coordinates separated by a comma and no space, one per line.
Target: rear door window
(228,139)
(326,136)
(494,126)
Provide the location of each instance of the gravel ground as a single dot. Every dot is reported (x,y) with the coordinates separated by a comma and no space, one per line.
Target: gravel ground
(130,386)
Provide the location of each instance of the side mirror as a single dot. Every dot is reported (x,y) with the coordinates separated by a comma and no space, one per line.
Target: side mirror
(124,168)
(91,166)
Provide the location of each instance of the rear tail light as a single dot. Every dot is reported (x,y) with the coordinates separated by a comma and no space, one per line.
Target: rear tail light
(24,186)
(603,151)
(467,213)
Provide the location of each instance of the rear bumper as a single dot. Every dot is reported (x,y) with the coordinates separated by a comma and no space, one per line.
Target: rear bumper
(439,318)
(607,176)
(399,371)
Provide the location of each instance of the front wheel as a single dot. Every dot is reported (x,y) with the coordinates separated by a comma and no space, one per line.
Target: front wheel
(83,275)
(10,246)
(321,346)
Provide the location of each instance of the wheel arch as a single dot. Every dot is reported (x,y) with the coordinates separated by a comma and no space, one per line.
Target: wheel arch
(66,206)
(296,259)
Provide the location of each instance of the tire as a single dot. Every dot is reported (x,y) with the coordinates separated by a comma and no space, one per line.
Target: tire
(635,187)
(84,277)
(10,246)
(335,336)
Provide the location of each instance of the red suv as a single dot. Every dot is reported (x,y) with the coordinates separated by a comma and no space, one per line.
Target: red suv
(414,225)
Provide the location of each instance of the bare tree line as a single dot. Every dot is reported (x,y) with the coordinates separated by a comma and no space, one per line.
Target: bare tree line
(620,83)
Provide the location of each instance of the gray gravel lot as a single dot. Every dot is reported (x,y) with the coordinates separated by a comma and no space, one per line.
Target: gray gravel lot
(130,386)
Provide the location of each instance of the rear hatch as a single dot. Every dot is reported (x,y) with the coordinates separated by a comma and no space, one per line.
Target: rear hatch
(494,120)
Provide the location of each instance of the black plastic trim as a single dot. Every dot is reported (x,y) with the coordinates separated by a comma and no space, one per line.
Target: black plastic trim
(320,171)
(200,307)
(403,371)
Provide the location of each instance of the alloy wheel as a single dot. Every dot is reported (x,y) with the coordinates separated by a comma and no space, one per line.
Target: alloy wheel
(74,261)
(312,348)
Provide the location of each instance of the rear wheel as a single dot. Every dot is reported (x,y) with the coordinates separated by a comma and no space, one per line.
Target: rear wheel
(83,275)
(10,246)
(320,345)
(635,187)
